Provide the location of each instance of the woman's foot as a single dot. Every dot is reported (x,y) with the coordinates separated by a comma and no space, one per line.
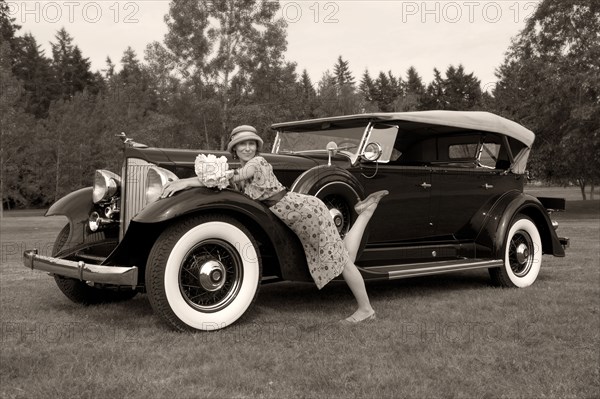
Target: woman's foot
(373,198)
(360,315)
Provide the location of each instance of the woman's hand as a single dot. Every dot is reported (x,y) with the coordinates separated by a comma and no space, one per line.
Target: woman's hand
(172,187)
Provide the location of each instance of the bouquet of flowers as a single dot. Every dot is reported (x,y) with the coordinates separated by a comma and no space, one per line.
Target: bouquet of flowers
(211,170)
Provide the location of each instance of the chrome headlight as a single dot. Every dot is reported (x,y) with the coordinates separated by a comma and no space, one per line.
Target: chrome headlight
(106,184)
(156,180)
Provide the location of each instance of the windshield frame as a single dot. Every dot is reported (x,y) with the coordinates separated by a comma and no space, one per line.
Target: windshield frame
(352,155)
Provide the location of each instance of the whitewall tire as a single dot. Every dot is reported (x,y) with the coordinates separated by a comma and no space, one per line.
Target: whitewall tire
(522,255)
(203,273)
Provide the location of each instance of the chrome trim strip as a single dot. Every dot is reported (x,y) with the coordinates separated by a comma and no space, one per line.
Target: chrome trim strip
(117,275)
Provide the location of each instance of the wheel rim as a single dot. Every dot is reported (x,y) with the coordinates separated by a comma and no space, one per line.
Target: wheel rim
(520,253)
(340,213)
(211,275)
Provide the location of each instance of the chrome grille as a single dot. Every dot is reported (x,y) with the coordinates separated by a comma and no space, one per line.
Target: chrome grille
(133,197)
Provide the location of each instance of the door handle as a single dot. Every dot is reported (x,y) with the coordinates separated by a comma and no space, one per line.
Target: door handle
(425,185)
(487,186)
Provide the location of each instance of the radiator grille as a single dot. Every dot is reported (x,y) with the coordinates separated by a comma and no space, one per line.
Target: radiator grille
(133,198)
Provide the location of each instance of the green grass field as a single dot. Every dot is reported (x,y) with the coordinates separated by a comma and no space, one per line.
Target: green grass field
(445,336)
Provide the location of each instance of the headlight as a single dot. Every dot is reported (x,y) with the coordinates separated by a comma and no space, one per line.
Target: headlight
(156,180)
(106,184)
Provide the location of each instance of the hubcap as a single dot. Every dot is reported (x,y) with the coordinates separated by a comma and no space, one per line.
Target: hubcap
(212,275)
(340,213)
(522,253)
(337,217)
(519,253)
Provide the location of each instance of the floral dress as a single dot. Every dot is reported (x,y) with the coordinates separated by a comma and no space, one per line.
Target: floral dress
(308,217)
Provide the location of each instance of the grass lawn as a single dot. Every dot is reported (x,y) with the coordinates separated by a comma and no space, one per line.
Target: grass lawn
(444,336)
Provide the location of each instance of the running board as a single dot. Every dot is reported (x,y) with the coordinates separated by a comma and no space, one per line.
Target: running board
(424,269)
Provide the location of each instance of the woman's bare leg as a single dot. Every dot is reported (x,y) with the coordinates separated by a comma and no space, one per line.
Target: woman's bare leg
(357,285)
(354,236)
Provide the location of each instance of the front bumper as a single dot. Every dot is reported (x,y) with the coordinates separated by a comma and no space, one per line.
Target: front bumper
(116,275)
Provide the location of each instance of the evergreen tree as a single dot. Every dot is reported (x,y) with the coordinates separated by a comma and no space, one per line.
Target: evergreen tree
(461,91)
(71,70)
(387,91)
(342,73)
(434,97)
(414,89)
(308,96)
(367,87)
(34,70)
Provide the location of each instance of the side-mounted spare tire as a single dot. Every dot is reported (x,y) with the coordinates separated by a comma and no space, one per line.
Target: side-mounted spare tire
(337,188)
(81,292)
(203,273)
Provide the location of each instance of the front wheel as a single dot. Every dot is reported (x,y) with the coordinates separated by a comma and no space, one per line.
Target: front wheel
(522,255)
(203,273)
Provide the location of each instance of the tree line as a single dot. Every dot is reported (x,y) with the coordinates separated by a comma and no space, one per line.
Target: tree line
(59,118)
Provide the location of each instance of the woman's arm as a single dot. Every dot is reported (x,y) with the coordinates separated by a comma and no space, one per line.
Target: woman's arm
(244,173)
(172,187)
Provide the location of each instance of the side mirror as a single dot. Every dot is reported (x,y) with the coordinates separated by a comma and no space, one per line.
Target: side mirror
(372,152)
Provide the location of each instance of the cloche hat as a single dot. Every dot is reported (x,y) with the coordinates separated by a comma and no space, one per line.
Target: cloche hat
(243,133)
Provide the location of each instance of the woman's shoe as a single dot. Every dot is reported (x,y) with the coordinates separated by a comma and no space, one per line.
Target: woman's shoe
(354,320)
(373,198)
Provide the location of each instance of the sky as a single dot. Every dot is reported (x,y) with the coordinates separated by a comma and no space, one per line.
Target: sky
(375,35)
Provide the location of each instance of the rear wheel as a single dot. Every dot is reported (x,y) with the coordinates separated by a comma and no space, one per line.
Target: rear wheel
(522,255)
(203,273)
(81,292)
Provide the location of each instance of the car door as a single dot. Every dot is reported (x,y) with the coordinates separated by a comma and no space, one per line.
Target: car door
(465,183)
(404,215)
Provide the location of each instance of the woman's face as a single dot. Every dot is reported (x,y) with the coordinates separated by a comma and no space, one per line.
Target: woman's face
(246,150)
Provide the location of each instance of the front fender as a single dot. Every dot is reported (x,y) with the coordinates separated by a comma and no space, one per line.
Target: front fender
(497,221)
(277,240)
(76,206)
(194,200)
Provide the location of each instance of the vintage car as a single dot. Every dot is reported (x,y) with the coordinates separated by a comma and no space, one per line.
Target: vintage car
(456,203)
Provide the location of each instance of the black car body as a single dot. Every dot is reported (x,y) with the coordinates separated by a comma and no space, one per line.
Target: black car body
(456,202)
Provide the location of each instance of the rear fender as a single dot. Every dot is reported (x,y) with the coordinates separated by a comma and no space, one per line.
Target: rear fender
(496,222)
(313,180)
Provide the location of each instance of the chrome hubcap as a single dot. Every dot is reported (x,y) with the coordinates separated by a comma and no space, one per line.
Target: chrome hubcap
(338,218)
(519,253)
(212,275)
(522,253)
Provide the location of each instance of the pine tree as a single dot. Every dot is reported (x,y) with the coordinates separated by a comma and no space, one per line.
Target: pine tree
(71,70)
(342,73)
(434,97)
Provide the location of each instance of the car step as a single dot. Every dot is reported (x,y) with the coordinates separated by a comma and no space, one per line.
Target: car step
(424,269)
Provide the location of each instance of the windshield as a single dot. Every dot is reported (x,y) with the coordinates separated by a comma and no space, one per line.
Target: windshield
(290,141)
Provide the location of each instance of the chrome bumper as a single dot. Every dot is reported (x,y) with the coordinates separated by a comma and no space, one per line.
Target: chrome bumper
(80,270)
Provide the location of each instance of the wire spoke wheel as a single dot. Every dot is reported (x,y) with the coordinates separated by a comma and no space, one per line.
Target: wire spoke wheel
(520,253)
(340,212)
(211,275)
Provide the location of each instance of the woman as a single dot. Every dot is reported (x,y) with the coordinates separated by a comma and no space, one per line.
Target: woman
(327,254)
